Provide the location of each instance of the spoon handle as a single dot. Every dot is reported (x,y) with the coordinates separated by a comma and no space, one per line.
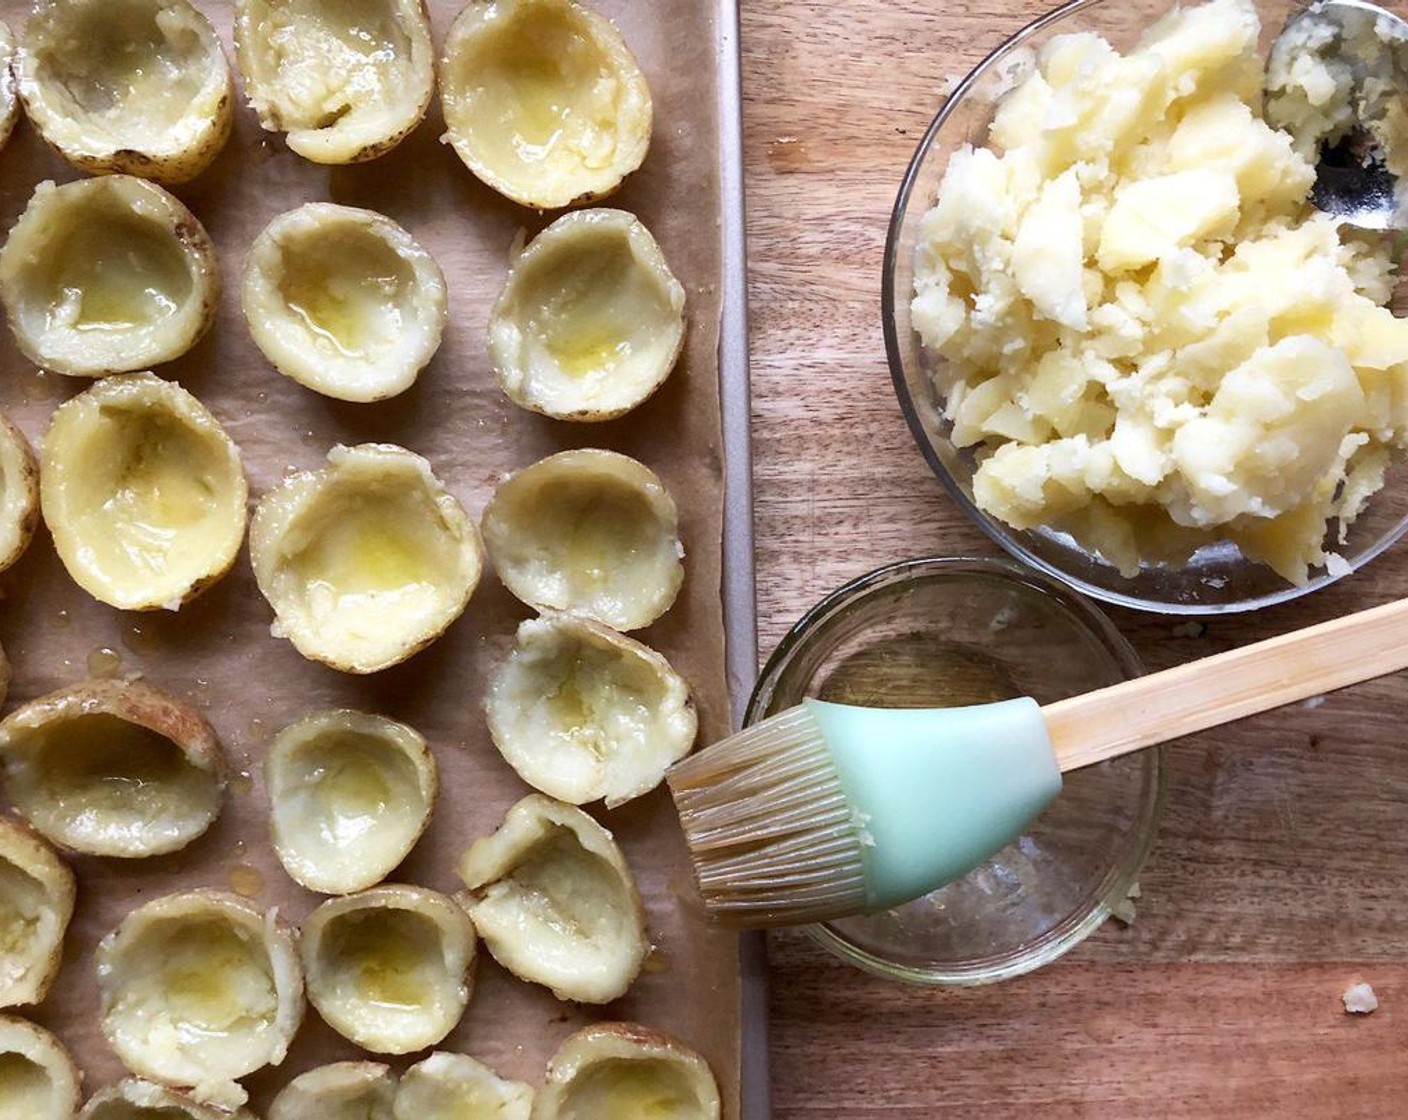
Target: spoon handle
(1215,690)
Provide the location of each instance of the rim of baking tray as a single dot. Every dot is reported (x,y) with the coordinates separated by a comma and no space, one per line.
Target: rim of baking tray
(1123,873)
(908,407)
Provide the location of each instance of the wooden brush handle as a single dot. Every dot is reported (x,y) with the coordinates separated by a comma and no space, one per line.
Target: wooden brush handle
(1216,690)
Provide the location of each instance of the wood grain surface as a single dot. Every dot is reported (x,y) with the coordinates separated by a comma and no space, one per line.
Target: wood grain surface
(1280,873)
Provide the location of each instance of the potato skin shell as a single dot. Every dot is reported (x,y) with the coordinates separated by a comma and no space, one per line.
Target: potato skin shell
(64,890)
(28,479)
(247,36)
(166,168)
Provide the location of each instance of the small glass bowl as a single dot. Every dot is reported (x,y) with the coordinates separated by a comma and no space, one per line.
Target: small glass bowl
(944,632)
(1218,579)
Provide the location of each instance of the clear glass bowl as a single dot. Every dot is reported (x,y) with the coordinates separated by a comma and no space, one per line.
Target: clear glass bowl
(1218,579)
(943,632)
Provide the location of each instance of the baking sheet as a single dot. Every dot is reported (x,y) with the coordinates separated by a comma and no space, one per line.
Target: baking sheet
(739,590)
(217,652)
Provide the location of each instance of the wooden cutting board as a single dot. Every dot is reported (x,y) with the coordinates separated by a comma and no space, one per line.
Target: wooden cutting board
(1280,874)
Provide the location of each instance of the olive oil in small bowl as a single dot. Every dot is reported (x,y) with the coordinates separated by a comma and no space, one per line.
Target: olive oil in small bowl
(951,632)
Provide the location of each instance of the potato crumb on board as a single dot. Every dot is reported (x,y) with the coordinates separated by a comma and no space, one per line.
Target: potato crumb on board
(1359,999)
(1124,910)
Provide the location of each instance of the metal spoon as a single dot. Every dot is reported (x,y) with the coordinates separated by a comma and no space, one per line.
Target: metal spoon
(1331,76)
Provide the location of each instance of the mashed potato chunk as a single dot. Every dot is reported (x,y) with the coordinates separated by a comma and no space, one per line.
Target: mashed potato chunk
(1150,337)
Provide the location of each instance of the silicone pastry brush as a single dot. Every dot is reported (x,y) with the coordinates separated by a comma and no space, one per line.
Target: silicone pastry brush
(827,810)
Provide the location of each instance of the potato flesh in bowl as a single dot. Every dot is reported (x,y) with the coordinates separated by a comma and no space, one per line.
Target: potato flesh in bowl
(458,1087)
(107,275)
(198,989)
(365,561)
(349,794)
(134,86)
(36,903)
(1150,361)
(543,100)
(340,1091)
(582,712)
(615,1070)
(134,1099)
(9,97)
(591,320)
(39,1079)
(345,81)
(112,768)
(391,968)
(19,494)
(344,301)
(143,492)
(554,901)
(587,531)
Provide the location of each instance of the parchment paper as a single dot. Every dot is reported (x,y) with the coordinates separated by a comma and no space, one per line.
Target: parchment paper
(217,652)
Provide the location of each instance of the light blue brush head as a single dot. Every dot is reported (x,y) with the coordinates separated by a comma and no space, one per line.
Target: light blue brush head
(935,792)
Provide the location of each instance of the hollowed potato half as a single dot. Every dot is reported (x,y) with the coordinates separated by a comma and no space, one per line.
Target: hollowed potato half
(365,561)
(105,275)
(39,1079)
(9,97)
(554,901)
(198,989)
(587,531)
(345,79)
(340,1091)
(19,494)
(454,1086)
(112,768)
(582,712)
(136,86)
(344,301)
(590,321)
(134,1099)
(390,969)
(613,1070)
(543,100)
(143,492)
(349,795)
(36,903)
